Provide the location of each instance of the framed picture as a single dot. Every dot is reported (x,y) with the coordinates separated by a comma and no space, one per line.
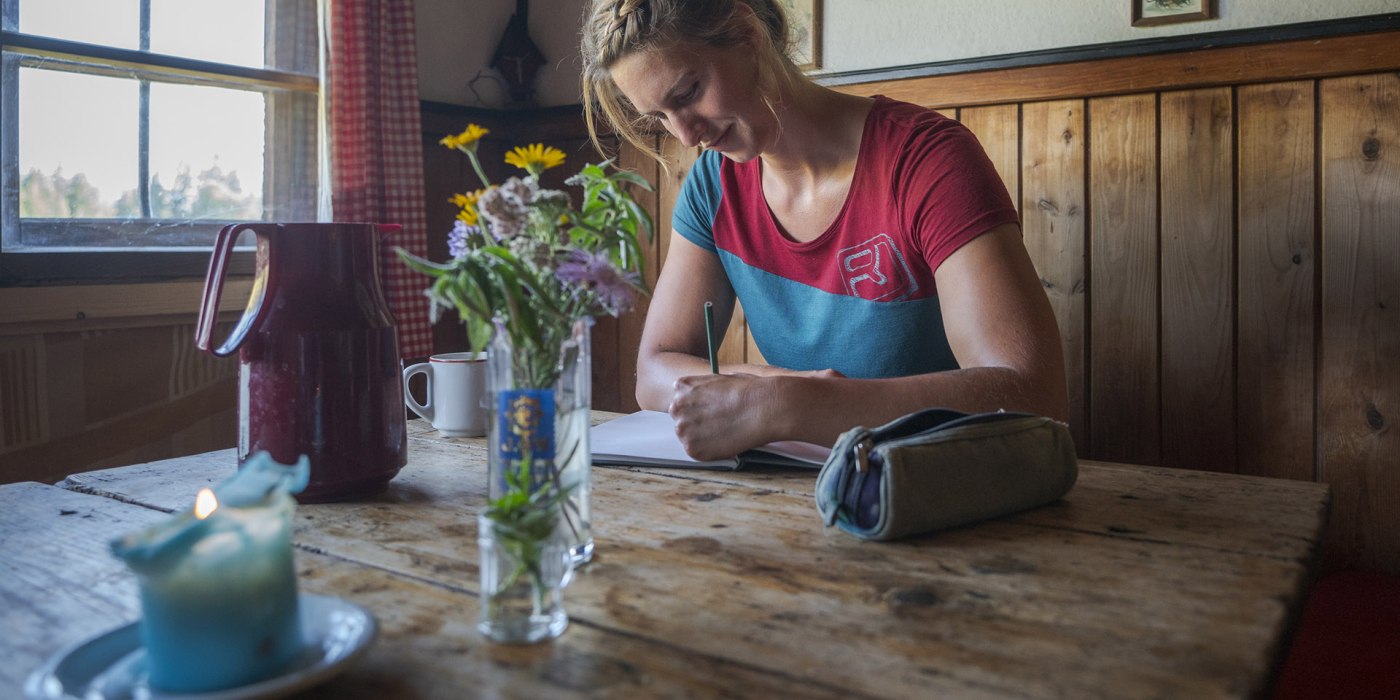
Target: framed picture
(1149,13)
(806,19)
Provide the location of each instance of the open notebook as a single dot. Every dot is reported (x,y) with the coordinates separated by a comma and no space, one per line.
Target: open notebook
(648,439)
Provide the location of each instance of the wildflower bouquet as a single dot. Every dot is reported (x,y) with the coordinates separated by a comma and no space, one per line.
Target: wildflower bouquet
(528,267)
(527,263)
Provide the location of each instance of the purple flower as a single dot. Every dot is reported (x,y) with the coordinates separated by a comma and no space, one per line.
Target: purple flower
(596,273)
(457,239)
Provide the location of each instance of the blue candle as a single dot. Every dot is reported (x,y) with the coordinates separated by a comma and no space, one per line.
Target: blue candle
(218,588)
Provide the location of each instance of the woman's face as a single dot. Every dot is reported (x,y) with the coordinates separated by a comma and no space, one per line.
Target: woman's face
(704,96)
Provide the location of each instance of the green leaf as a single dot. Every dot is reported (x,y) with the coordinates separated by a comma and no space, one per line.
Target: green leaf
(595,171)
(418,264)
(633,178)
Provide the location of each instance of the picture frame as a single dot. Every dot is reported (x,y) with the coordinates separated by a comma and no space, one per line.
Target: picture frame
(805,20)
(1151,13)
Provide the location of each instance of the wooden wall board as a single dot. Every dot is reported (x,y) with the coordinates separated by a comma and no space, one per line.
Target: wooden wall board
(22,307)
(1053,218)
(1124,406)
(629,336)
(59,456)
(1197,283)
(1235,65)
(734,349)
(609,365)
(998,128)
(680,159)
(752,354)
(1277,265)
(1359,382)
(24,395)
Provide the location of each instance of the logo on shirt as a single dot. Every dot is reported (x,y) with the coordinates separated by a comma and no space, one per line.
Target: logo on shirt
(875,270)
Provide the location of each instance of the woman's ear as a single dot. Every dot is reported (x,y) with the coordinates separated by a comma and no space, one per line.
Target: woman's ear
(752,24)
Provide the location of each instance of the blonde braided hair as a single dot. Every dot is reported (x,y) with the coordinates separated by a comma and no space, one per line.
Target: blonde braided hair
(613,29)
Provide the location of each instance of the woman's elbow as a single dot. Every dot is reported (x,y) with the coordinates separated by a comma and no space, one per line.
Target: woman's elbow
(649,400)
(652,392)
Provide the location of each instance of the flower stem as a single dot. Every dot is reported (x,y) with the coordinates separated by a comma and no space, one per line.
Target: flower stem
(476,165)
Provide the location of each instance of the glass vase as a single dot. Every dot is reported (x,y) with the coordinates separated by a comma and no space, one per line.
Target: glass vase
(540,393)
(522,583)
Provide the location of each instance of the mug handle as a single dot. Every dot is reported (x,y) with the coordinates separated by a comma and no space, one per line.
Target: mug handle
(424,410)
(264,286)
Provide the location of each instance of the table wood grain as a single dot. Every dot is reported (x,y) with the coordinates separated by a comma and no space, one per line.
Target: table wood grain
(1141,582)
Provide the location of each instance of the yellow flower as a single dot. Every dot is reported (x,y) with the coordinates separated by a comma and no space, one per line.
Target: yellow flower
(466,140)
(467,202)
(535,158)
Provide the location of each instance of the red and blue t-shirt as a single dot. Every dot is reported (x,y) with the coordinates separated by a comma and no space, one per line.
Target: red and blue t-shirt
(860,298)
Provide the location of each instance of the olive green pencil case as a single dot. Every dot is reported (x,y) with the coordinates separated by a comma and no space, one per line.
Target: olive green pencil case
(938,468)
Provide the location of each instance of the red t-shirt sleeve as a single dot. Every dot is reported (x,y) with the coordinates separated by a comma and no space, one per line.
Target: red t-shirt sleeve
(947,191)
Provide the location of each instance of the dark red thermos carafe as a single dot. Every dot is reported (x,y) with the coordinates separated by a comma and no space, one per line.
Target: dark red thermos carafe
(318,360)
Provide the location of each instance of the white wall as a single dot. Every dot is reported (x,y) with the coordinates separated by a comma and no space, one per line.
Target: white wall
(456,37)
(860,34)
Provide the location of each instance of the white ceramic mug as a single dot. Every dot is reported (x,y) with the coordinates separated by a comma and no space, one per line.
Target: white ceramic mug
(455,401)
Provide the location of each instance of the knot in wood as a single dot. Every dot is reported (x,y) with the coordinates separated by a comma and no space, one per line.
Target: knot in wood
(1374,418)
(916,596)
(1371,148)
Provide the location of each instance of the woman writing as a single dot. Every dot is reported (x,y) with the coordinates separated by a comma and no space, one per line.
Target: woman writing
(875,251)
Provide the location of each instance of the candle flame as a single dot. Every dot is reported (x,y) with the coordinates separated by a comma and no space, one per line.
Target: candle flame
(205,503)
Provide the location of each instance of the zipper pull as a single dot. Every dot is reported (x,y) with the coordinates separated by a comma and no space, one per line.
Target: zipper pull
(861,451)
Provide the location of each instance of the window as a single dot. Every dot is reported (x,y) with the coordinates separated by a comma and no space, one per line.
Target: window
(132,130)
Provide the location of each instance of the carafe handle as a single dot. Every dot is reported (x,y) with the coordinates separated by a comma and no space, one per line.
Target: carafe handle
(264,286)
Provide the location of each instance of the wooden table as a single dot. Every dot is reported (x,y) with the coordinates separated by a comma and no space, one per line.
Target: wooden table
(1142,582)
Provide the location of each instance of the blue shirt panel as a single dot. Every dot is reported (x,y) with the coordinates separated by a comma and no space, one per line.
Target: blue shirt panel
(693,215)
(800,327)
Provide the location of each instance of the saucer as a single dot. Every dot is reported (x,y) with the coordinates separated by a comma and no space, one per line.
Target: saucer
(112,665)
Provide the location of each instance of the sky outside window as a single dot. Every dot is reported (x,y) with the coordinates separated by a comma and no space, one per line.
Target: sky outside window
(88,125)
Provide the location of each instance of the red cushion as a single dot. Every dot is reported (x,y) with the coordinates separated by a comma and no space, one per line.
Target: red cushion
(1348,642)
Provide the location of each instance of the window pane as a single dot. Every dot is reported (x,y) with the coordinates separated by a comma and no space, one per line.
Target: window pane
(77,144)
(215,152)
(206,153)
(224,31)
(109,22)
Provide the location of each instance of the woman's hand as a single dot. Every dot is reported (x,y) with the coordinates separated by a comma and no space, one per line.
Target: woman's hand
(721,415)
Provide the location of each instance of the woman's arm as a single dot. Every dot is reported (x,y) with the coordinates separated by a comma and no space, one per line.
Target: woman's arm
(673,341)
(999,325)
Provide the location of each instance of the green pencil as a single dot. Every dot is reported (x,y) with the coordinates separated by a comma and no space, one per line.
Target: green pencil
(710,336)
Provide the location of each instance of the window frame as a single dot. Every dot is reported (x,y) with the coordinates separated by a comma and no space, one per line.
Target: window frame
(77,265)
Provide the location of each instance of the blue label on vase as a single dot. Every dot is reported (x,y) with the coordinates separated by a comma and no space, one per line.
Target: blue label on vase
(526,424)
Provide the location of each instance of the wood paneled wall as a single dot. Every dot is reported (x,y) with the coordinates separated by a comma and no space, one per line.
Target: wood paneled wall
(1218,232)
(82,395)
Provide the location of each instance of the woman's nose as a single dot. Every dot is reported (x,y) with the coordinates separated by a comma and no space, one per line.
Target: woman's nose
(686,128)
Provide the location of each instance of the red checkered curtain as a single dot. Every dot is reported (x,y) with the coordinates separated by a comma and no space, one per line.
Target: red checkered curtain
(377,145)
